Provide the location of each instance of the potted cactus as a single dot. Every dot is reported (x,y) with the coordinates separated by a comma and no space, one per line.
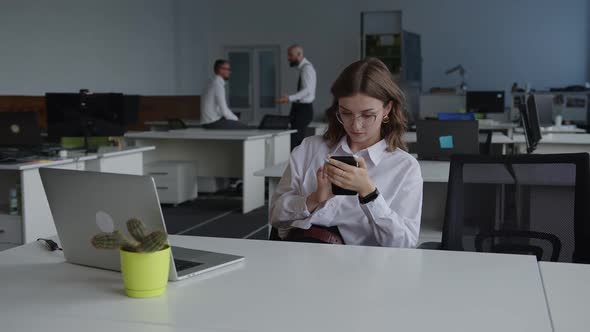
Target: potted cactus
(145,258)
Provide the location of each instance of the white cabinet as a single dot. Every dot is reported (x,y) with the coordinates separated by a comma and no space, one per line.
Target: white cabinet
(176,181)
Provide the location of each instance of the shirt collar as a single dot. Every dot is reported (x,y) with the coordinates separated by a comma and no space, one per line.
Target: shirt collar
(375,151)
(219,79)
(302,63)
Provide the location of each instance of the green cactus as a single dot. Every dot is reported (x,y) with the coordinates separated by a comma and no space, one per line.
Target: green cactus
(154,241)
(112,240)
(136,229)
(141,242)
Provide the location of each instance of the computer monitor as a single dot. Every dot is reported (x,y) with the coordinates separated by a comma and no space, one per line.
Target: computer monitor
(82,114)
(484,101)
(20,130)
(530,123)
(439,140)
(132,104)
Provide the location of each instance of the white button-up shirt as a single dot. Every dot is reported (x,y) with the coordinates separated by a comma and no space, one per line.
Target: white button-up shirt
(213,104)
(308,83)
(391,220)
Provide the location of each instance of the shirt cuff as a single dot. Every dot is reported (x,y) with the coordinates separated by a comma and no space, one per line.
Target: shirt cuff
(376,209)
(293,98)
(323,214)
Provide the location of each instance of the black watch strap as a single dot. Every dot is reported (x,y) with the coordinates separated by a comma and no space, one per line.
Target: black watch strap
(370,197)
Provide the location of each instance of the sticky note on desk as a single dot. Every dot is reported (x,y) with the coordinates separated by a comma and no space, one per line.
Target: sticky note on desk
(446,142)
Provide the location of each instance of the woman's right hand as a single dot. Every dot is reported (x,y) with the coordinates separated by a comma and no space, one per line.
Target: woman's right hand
(323,191)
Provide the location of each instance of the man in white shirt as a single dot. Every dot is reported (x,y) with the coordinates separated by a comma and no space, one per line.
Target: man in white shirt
(301,107)
(214,111)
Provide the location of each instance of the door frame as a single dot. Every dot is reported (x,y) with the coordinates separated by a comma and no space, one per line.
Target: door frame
(255,110)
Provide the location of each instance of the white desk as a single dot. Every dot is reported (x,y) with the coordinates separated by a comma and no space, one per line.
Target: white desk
(295,287)
(503,126)
(56,323)
(221,153)
(566,129)
(35,218)
(162,125)
(320,127)
(558,143)
(497,138)
(567,290)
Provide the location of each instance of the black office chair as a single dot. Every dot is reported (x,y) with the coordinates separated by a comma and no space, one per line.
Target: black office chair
(274,234)
(519,204)
(486,148)
(175,123)
(279,122)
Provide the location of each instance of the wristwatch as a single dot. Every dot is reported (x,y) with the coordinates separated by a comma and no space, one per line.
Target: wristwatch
(370,197)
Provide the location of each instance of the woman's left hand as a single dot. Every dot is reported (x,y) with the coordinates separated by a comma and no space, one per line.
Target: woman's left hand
(349,177)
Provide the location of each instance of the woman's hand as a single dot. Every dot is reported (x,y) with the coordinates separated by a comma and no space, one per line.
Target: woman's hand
(323,191)
(349,177)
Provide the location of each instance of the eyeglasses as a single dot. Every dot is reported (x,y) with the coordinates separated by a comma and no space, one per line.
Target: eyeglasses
(348,119)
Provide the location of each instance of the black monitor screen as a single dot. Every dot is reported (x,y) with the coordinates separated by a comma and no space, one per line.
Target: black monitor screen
(74,114)
(530,123)
(132,106)
(484,101)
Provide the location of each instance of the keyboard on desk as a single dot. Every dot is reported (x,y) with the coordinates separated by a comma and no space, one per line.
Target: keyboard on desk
(16,156)
(182,265)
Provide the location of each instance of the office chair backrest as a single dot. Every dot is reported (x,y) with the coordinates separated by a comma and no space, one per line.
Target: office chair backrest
(174,123)
(278,122)
(520,204)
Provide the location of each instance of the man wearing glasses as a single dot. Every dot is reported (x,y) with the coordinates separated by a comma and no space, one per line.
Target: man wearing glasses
(214,111)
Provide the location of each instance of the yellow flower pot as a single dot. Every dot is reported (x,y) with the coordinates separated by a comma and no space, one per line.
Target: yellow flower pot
(145,274)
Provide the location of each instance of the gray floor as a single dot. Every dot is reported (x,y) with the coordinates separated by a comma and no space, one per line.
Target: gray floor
(216,216)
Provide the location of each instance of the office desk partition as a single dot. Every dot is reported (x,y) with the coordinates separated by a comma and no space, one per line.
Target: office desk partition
(294,287)
(221,153)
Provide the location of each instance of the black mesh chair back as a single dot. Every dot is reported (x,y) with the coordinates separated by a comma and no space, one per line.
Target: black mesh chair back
(278,122)
(520,204)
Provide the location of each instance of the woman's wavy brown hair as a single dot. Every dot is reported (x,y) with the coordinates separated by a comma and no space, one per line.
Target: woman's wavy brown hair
(372,78)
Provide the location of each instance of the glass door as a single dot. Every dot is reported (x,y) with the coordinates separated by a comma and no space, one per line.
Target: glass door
(254,83)
(239,87)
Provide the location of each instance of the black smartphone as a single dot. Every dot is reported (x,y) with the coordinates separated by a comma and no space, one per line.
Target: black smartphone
(350,161)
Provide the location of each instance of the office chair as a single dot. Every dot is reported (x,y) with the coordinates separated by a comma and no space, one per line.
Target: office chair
(519,204)
(486,149)
(175,123)
(278,122)
(274,234)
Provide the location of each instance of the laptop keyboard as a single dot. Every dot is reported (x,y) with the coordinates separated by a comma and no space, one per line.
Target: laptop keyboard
(182,265)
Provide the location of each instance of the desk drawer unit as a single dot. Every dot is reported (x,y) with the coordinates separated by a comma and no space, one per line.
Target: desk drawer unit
(176,181)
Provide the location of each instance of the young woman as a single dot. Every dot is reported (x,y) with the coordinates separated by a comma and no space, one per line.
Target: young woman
(367,121)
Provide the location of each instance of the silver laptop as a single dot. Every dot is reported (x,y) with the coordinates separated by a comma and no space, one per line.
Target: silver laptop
(86,203)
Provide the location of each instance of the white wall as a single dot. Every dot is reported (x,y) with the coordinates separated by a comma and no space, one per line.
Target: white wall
(191,26)
(131,46)
(543,42)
